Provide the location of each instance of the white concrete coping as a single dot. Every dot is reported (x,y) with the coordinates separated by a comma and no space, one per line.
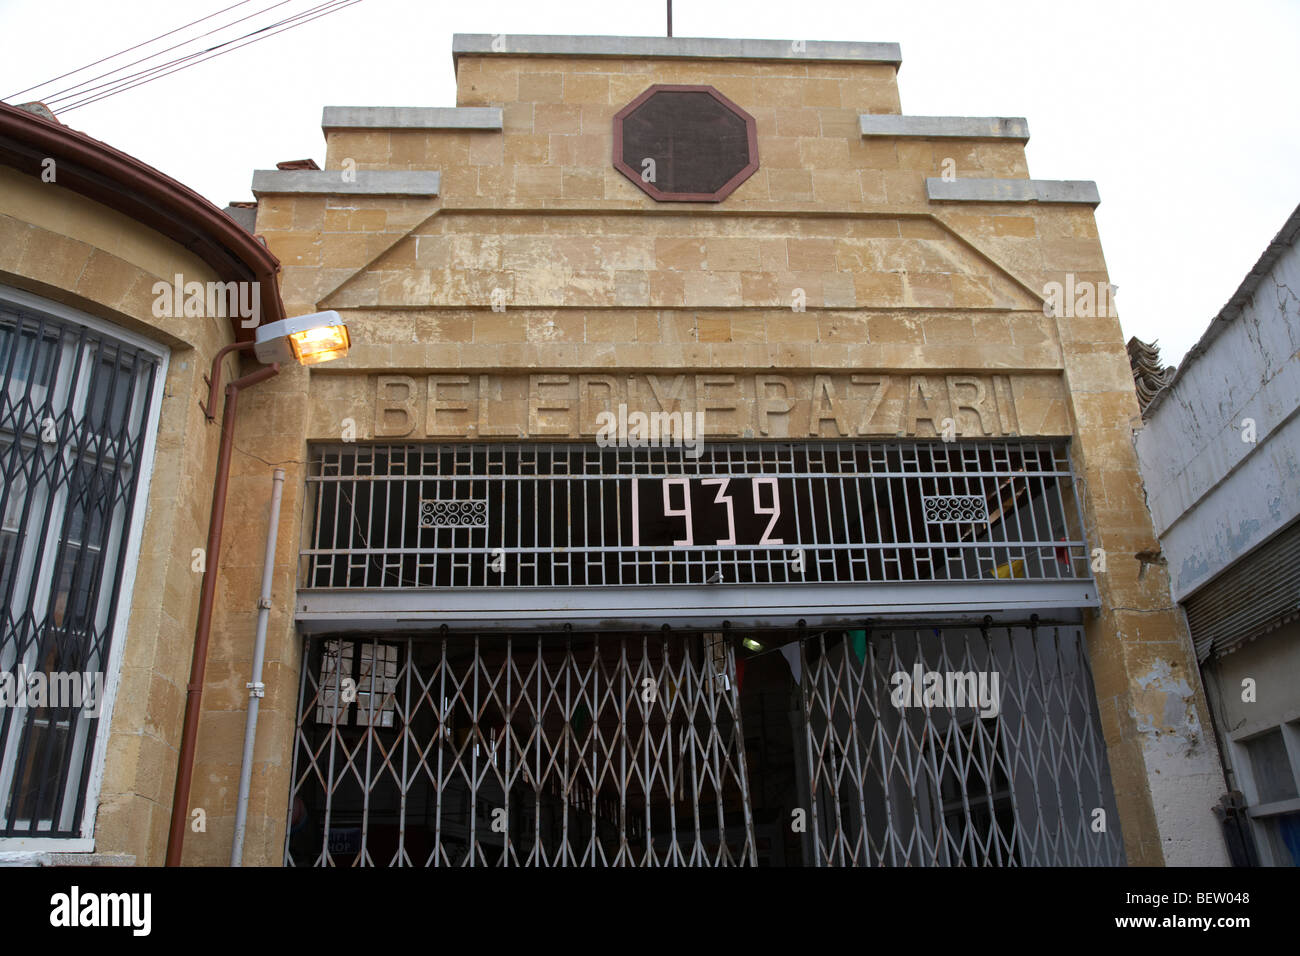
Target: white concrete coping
(892,125)
(688,48)
(412,117)
(362,182)
(1013,190)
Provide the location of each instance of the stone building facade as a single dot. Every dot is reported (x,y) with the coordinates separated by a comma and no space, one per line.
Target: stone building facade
(845,277)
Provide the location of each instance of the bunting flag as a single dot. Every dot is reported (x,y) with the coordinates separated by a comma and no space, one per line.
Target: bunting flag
(1014,569)
(791,654)
(858,641)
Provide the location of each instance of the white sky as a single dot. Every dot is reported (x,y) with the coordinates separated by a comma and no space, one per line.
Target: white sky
(1185,113)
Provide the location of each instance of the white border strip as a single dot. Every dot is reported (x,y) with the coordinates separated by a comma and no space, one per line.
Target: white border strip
(894,126)
(1081,191)
(412,117)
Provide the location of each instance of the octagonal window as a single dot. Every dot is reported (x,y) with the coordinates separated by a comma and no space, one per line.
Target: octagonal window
(685,144)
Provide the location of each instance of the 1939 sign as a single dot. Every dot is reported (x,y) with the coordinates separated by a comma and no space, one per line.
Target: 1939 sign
(691,512)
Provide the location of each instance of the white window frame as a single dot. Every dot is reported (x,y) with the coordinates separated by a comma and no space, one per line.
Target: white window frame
(1261,814)
(131,560)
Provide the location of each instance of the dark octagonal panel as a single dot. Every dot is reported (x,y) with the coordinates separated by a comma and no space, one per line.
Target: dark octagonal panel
(703,145)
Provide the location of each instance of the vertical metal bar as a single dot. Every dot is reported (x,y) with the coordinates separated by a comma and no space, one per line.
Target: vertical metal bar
(299,742)
(541,729)
(814,826)
(567,733)
(738,735)
(859,770)
(886,758)
(507,745)
(476,735)
(407,722)
(326,856)
(647,770)
(367,781)
(624,850)
(444,732)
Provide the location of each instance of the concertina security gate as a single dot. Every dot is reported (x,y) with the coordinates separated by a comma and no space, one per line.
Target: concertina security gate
(630,750)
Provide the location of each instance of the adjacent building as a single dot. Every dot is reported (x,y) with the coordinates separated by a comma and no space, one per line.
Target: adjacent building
(106,467)
(1219,452)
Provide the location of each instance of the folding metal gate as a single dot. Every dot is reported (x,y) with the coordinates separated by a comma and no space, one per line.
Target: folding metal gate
(954,747)
(584,749)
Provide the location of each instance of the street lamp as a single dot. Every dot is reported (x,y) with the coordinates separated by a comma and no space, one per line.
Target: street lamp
(308,340)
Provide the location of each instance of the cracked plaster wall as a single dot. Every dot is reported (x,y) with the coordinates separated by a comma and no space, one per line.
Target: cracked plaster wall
(1213,496)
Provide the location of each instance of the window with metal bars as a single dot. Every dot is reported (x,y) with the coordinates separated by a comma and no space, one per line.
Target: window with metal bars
(357,688)
(543,515)
(75,404)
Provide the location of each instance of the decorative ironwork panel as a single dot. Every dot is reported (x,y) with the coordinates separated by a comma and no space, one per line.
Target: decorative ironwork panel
(73,413)
(453,514)
(955,509)
(571,751)
(562,515)
(978,747)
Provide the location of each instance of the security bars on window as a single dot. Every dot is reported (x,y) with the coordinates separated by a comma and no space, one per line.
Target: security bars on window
(73,404)
(539,515)
(626,751)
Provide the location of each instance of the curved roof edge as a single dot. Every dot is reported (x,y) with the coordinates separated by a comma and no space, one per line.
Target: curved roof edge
(108,176)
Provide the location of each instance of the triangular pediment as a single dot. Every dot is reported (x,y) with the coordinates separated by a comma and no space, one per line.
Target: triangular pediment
(472,260)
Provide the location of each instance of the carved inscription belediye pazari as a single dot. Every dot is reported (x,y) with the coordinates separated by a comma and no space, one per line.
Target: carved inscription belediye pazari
(734,405)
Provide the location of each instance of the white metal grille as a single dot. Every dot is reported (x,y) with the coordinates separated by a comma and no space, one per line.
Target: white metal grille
(539,515)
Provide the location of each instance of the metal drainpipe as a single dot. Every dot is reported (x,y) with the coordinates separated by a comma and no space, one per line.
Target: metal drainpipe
(207,597)
(256,689)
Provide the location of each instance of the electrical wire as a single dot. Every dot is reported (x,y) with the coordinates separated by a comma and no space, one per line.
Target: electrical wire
(61,76)
(79,89)
(129,80)
(333,7)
